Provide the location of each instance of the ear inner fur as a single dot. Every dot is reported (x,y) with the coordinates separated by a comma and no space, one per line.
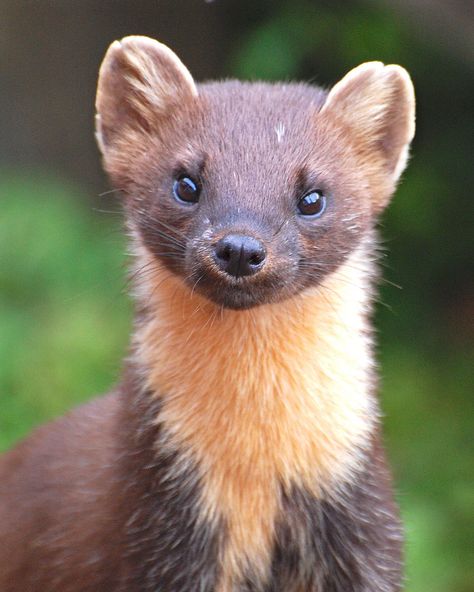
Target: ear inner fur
(140,81)
(378,103)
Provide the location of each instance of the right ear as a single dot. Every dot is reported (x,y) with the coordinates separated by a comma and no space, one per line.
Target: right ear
(141,81)
(377,103)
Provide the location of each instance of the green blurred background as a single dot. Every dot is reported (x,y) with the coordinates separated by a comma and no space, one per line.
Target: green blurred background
(64,313)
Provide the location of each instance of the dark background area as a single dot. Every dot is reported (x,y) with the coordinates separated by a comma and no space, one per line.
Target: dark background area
(64,316)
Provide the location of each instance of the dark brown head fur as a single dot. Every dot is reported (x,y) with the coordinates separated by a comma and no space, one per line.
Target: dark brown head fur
(254,151)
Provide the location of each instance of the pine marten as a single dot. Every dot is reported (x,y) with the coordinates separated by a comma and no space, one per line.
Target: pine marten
(241,451)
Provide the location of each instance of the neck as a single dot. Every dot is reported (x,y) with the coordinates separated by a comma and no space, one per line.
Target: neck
(262,399)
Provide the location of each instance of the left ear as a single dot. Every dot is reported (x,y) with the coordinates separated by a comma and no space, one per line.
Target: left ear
(377,102)
(141,84)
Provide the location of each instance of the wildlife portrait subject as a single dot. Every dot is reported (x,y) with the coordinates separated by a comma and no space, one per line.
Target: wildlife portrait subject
(241,450)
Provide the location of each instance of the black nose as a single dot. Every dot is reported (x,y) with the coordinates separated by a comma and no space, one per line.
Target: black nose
(239,255)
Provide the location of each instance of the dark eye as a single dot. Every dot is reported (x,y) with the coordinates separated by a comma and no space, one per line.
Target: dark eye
(186,190)
(312,204)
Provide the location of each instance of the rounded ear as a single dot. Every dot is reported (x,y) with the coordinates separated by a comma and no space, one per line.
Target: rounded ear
(377,102)
(140,81)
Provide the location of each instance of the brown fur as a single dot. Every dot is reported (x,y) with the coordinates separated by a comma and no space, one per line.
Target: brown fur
(241,452)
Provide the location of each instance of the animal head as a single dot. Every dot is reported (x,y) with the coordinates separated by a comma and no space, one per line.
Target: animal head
(249,192)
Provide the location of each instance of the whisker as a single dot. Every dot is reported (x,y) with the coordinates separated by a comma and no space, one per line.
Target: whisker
(390,283)
(144,270)
(321,266)
(176,230)
(214,316)
(281,227)
(196,283)
(157,286)
(113,212)
(148,217)
(110,191)
(171,240)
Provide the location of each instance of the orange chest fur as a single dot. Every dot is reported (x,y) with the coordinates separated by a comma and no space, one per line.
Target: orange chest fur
(262,399)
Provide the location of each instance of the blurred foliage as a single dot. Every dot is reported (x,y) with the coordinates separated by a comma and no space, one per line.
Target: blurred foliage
(63,318)
(64,322)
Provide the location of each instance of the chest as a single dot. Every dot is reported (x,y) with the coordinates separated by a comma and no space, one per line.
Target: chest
(347,540)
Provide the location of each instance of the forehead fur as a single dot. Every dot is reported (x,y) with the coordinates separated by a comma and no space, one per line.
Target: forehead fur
(258,138)
(271,114)
(256,125)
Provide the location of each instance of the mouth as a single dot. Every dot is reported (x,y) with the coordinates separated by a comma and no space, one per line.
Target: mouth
(238,299)
(238,293)
(234,294)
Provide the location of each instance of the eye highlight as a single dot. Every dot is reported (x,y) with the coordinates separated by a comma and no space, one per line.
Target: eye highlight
(312,204)
(186,190)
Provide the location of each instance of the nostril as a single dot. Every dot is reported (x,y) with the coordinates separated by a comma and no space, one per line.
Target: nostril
(224,251)
(239,255)
(257,257)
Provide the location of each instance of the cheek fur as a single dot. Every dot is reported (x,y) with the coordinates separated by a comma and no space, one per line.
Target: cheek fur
(165,230)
